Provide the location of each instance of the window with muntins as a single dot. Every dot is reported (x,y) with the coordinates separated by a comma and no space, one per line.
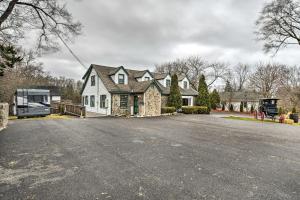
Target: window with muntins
(185,84)
(168,83)
(93,82)
(123,101)
(102,101)
(121,79)
(92,101)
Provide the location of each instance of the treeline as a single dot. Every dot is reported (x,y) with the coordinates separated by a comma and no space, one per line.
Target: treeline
(268,79)
(27,72)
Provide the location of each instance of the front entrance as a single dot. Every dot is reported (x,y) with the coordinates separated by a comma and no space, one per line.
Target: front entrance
(136,105)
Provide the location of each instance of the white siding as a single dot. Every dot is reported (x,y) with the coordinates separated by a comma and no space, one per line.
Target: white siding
(56,98)
(143,78)
(97,90)
(115,77)
(181,83)
(236,106)
(164,81)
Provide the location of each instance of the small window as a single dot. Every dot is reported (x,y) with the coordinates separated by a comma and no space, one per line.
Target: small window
(93,83)
(147,78)
(123,101)
(168,83)
(102,101)
(92,101)
(121,79)
(86,100)
(185,84)
(185,102)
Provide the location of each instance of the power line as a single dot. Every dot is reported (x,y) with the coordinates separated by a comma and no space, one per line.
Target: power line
(70,50)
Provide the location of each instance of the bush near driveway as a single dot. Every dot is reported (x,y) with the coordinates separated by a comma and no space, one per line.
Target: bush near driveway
(167,110)
(195,110)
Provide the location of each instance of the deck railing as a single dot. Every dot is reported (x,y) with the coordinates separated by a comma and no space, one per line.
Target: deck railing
(68,108)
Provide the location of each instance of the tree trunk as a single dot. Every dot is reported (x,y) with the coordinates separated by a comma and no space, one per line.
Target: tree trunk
(8,11)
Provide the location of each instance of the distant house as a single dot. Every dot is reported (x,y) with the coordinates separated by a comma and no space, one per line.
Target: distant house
(120,91)
(247,98)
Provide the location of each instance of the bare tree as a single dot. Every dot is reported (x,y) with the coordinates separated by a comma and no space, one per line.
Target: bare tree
(215,71)
(289,91)
(267,78)
(48,18)
(193,67)
(279,24)
(242,72)
(29,73)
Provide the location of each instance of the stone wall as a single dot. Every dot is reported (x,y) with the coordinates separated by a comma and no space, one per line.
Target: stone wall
(152,101)
(116,110)
(4,108)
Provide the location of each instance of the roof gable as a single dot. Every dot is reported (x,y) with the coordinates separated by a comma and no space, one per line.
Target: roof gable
(133,86)
(161,76)
(142,73)
(114,71)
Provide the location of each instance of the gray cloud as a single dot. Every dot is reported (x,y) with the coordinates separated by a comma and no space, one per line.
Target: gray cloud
(140,34)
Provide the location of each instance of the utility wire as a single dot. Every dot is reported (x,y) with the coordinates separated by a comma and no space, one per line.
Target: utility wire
(70,50)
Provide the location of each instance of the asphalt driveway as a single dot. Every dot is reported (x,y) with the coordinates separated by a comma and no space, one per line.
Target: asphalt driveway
(181,157)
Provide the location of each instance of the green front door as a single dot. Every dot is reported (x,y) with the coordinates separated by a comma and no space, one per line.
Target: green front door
(136,105)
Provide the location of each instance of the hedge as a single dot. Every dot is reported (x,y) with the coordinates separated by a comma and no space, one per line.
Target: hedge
(165,110)
(195,110)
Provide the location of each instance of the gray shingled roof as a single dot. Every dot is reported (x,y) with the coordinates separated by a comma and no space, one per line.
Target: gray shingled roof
(160,76)
(181,77)
(241,96)
(104,73)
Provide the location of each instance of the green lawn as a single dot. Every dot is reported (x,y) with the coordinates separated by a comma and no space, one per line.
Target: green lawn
(256,120)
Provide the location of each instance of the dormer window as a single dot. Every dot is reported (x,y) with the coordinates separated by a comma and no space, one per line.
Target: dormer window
(185,85)
(121,78)
(168,83)
(147,78)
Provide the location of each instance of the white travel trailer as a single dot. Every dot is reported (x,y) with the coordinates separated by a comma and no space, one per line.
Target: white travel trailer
(31,102)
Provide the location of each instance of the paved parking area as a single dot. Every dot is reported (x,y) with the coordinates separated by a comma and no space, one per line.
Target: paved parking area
(180,157)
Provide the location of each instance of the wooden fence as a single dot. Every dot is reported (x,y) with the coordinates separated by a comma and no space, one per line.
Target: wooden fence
(67,108)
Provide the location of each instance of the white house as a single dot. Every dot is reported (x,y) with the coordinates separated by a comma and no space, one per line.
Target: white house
(119,91)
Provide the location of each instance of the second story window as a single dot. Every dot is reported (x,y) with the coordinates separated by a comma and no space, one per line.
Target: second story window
(93,83)
(121,79)
(168,83)
(147,78)
(185,85)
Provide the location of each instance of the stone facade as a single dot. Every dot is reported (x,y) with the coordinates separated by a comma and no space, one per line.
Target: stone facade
(4,108)
(152,101)
(149,103)
(115,107)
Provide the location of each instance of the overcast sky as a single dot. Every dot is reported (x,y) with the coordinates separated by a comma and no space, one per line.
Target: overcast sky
(141,33)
